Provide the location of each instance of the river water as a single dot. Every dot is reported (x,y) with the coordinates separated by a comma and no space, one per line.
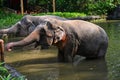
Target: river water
(38,64)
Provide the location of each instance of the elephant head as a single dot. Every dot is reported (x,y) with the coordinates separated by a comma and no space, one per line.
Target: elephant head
(21,28)
(45,34)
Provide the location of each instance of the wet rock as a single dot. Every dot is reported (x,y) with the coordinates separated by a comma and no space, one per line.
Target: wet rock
(86,18)
(14,72)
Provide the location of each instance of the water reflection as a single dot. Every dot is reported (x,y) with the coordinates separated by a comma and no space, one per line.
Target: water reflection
(43,65)
(113,30)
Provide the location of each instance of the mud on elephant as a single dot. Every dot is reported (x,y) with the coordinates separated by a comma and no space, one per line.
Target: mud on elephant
(72,37)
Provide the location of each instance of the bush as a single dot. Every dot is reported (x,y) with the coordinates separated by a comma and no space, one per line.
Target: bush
(7,19)
(91,7)
(100,7)
(3,71)
(5,75)
(65,14)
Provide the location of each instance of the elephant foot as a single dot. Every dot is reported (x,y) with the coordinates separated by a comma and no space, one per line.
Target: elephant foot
(61,58)
(65,59)
(69,58)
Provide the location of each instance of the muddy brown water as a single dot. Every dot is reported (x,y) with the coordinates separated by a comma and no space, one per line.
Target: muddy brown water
(42,65)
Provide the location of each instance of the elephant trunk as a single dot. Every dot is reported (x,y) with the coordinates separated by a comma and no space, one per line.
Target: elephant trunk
(26,41)
(4,31)
(11,30)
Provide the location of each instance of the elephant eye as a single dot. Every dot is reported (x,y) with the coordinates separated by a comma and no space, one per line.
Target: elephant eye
(19,25)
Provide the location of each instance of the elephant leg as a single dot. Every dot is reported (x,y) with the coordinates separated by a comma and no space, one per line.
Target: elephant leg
(68,58)
(64,57)
(70,52)
(60,56)
(102,50)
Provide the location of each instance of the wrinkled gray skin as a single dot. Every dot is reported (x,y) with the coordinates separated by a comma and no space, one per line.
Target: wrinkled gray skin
(72,37)
(27,24)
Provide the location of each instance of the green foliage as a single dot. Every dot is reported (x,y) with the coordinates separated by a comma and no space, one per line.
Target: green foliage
(99,7)
(7,19)
(3,71)
(92,7)
(5,78)
(65,14)
(4,74)
(9,77)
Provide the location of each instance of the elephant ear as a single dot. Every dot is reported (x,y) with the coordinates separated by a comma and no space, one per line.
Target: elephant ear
(26,23)
(59,34)
(49,29)
(31,28)
(55,31)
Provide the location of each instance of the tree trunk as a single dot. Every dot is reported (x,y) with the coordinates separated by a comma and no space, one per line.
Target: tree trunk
(53,5)
(22,7)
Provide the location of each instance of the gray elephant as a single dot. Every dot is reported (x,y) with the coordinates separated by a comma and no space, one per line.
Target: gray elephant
(27,24)
(72,37)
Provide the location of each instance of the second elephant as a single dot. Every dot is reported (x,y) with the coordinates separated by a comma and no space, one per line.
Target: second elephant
(27,24)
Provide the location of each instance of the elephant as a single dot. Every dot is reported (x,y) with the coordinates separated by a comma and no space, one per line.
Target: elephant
(27,24)
(72,37)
